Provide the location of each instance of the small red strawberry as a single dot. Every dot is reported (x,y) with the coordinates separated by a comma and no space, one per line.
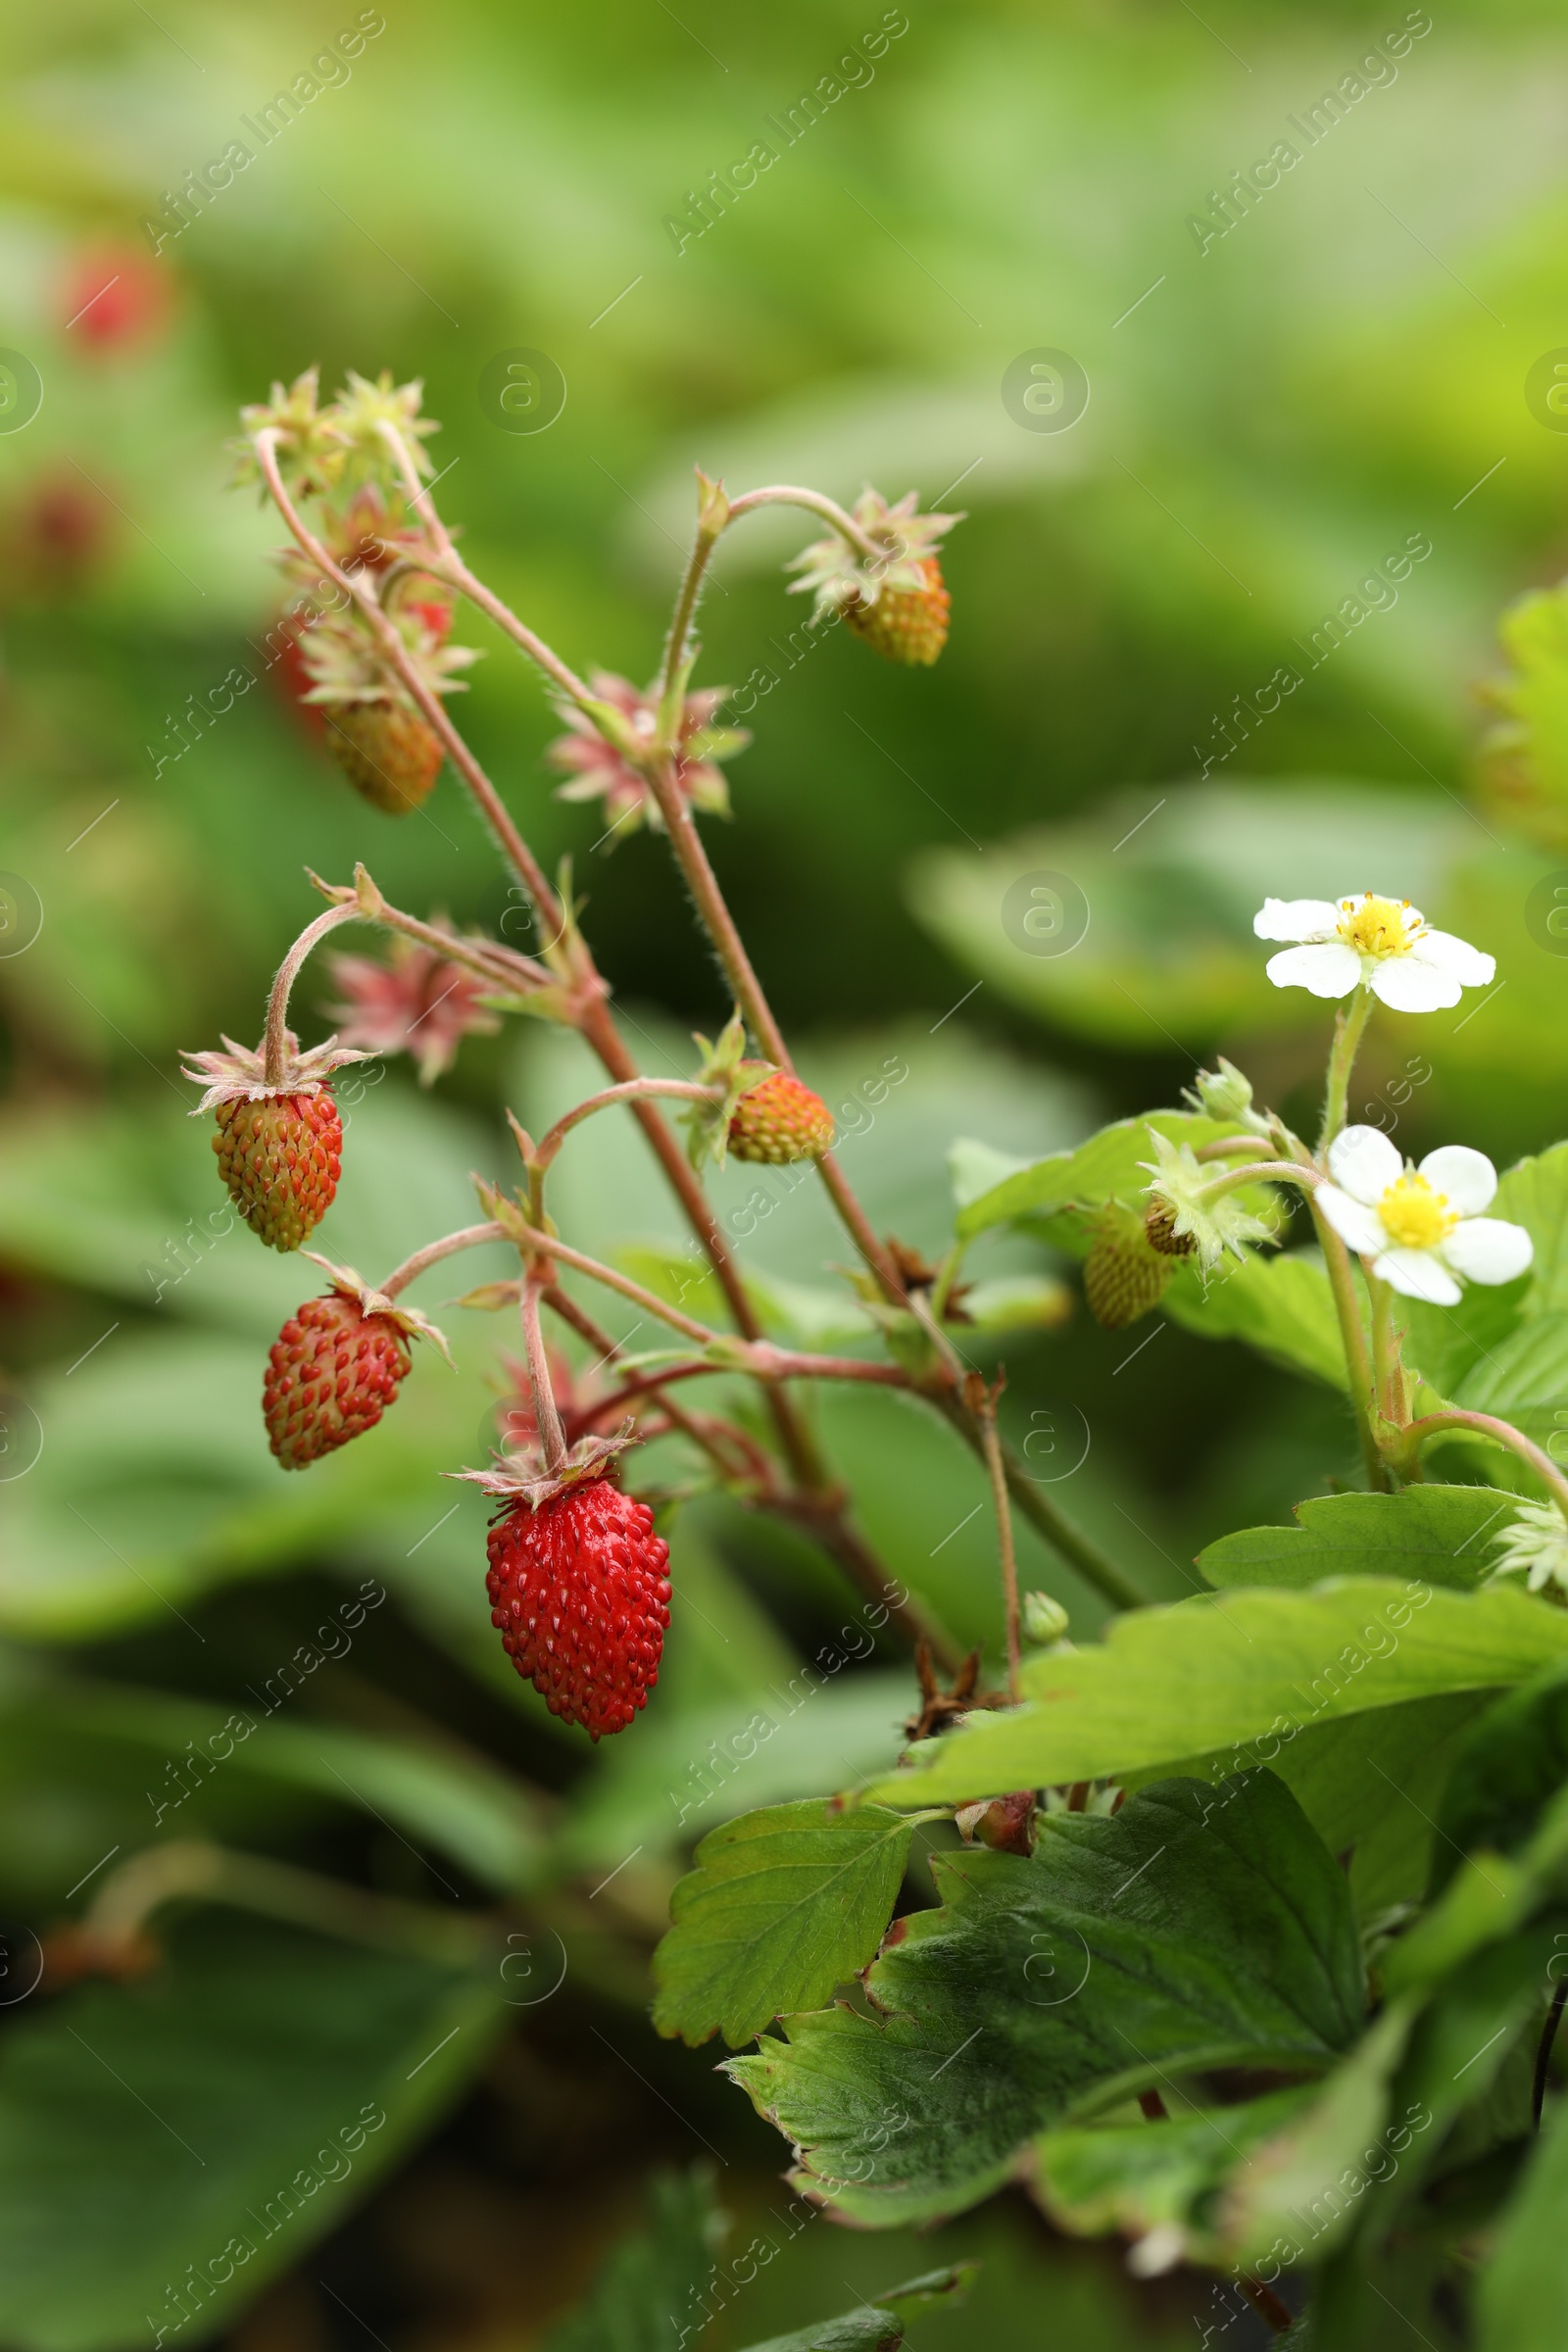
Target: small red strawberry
(579,1594)
(779,1120)
(279,1145)
(335,1367)
(897,603)
(387,749)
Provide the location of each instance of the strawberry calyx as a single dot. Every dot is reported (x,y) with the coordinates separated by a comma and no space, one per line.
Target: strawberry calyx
(239,1075)
(407,1319)
(519,1481)
(844,580)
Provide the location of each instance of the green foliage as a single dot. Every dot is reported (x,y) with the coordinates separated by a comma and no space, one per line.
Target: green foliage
(221,2114)
(1244,1671)
(652,2275)
(1508,1770)
(880,2326)
(1194,1929)
(783,1906)
(1426,1532)
(1525,755)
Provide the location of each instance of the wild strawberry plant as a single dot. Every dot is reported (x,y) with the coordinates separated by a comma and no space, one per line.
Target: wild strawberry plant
(1247,1919)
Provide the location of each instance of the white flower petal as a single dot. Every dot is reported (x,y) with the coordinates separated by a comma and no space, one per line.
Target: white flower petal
(1327,968)
(1406,986)
(1297,918)
(1488,1250)
(1466,1179)
(1418,1274)
(1361,1227)
(1456,957)
(1363,1163)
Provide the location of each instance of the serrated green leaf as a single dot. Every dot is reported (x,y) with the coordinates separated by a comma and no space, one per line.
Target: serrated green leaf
(1524,1379)
(783,1906)
(1196,1927)
(218,2113)
(1439,1533)
(651,2280)
(1107,1167)
(1239,1670)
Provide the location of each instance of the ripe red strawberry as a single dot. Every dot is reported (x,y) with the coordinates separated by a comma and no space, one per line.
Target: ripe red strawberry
(387,751)
(779,1120)
(579,1593)
(906,625)
(279,1145)
(336,1366)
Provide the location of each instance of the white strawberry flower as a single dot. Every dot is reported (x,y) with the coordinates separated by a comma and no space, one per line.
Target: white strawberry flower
(1421,1229)
(1534,1545)
(1371,942)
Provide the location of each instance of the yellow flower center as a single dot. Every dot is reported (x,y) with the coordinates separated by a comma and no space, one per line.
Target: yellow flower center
(1379,926)
(1414,1216)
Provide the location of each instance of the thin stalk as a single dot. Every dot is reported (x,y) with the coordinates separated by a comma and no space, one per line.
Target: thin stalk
(703,546)
(1415,1435)
(276,1044)
(987,1418)
(1348,1024)
(699,1427)
(470,1238)
(192,1869)
(489,958)
(631,1090)
(547,1417)
(1386,1368)
(1068,1541)
(1226,1147)
(788,494)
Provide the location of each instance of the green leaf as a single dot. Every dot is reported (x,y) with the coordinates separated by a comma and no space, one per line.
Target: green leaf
(1221,1671)
(1525,751)
(1523,2289)
(783,1906)
(878,2326)
(1107,1167)
(1524,1379)
(653,2276)
(1279,1303)
(1196,1927)
(1433,1532)
(1534,1195)
(1134,2178)
(220,2112)
(1512,1765)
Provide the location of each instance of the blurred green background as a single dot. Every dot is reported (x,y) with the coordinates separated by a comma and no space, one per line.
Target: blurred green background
(1272,413)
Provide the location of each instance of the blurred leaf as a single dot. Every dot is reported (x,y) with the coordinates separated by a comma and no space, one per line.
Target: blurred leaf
(1221,1671)
(1430,1532)
(1109,1166)
(1193,1929)
(1512,1765)
(655,2273)
(1280,1304)
(783,1906)
(168,2145)
(1524,757)
(1134,2178)
(1167,955)
(878,2326)
(1522,2289)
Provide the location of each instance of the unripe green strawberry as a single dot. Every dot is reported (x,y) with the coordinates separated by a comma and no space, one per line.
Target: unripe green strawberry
(336,1366)
(389,753)
(1160,1225)
(279,1141)
(1123,1277)
(906,625)
(779,1120)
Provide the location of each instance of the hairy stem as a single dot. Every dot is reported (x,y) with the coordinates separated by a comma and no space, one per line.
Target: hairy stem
(276,1049)
(1416,1434)
(986,1415)
(552,1437)
(789,494)
(631,1090)
(470,1238)
(1348,1023)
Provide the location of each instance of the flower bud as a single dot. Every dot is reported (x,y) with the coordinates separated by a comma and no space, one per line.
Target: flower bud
(1226,1093)
(1044,1619)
